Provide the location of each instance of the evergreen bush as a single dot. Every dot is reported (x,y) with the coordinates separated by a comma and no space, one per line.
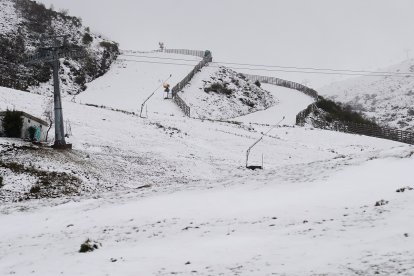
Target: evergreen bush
(218,88)
(87,39)
(13,123)
(336,112)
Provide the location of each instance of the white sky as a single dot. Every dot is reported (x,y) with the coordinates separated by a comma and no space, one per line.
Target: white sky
(344,34)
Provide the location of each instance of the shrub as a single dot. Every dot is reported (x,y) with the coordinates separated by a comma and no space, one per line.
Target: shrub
(258,84)
(35,189)
(110,46)
(247,102)
(87,39)
(91,66)
(88,246)
(13,123)
(218,88)
(337,112)
(80,79)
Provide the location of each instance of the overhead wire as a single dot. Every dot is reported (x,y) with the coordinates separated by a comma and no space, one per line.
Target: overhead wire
(275,70)
(301,69)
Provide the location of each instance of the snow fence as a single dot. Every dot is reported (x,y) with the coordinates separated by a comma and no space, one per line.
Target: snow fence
(285,83)
(355,128)
(207,57)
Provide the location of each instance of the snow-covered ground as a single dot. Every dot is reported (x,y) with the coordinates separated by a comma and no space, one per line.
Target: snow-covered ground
(132,79)
(290,103)
(221,93)
(170,195)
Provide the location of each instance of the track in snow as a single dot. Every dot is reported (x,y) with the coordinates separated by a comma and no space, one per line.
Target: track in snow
(291,102)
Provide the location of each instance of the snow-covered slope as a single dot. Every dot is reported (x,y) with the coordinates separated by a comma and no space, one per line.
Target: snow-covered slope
(131,80)
(290,103)
(259,227)
(171,195)
(388,99)
(221,93)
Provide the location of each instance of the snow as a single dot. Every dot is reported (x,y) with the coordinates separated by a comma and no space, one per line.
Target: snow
(323,227)
(133,80)
(170,195)
(235,96)
(291,102)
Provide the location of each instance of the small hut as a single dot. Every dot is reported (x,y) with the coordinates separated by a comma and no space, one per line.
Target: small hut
(31,127)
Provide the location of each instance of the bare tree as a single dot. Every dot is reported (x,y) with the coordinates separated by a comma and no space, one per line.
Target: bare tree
(49,113)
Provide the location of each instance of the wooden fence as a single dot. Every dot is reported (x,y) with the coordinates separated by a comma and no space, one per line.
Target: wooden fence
(196,53)
(355,128)
(187,52)
(207,57)
(182,105)
(285,83)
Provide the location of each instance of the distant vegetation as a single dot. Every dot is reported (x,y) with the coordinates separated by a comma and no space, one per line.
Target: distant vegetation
(87,39)
(337,112)
(13,123)
(37,20)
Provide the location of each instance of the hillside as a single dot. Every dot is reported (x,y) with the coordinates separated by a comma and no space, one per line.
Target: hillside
(170,195)
(175,189)
(221,93)
(244,170)
(132,79)
(22,23)
(387,99)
